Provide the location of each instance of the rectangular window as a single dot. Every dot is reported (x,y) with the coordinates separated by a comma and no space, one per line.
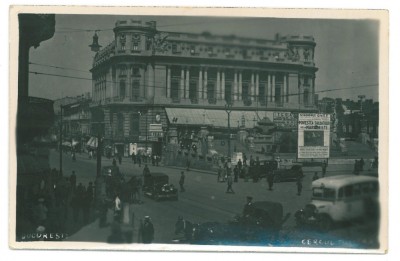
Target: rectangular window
(135,89)
(175,48)
(175,88)
(135,46)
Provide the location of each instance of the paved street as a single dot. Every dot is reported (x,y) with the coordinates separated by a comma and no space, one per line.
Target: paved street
(204,200)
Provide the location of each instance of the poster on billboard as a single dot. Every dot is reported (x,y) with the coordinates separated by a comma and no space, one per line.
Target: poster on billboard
(313,139)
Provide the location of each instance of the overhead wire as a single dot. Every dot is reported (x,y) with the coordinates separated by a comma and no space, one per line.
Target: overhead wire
(226,81)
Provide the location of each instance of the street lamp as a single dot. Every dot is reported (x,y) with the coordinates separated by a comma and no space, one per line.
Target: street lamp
(228,109)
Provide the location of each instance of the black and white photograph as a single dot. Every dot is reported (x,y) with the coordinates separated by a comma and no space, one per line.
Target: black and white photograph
(209,129)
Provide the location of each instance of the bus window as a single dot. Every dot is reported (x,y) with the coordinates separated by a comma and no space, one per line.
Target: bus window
(348,191)
(356,190)
(324,193)
(340,193)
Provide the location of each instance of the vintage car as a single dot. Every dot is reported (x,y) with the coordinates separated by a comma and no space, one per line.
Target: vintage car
(291,174)
(261,226)
(156,185)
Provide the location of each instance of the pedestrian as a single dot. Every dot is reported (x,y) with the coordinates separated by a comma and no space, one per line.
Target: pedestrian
(119,158)
(315,177)
(72,180)
(117,209)
(362,164)
(229,189)
(133,157)
(324,166)
(153,160)
(188,164)
(236,173)
(252,162)
(182,181)
(244,158)
(146,171)
(114,162)
(356,167)
(245,172)
(147,231)
(299,183)
(139,159)
(270,179)
(240,165)
(219,174)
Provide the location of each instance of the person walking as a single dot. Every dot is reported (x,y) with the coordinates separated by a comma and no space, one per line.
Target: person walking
(362,162)
(229,189)
(299,183)
(147,231)
(146,170)
(219,173)
(182,181)
(117,209)
(236,173)
(72,180)
(119,158)
(270,179)
(114,162)
(315,177)
(324,166)
(356,167)
(240,165)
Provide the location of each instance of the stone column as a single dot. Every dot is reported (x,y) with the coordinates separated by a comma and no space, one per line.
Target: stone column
(284,89)
(235,86)
(169,82)
(273,88)
(218,88)
(200,84)
(252,86)
(205,84)
(223,85)
(257,87)
(187,83)
(182,85)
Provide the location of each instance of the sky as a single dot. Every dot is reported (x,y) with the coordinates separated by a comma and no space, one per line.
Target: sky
(346,52)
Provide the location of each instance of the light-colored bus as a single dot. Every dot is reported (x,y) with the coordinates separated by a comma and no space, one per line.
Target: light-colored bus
(344,197)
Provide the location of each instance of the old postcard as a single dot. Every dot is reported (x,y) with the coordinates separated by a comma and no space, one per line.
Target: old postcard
(200,129)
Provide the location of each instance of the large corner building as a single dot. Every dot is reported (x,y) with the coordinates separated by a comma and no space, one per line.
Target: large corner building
(153,86)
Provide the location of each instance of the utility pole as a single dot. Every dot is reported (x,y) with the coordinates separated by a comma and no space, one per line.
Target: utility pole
(61,130)
(228,111)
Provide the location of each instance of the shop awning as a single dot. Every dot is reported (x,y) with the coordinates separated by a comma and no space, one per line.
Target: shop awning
(92,142)
(216,118)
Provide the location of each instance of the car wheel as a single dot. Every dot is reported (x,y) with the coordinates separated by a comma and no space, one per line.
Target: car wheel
(325,223)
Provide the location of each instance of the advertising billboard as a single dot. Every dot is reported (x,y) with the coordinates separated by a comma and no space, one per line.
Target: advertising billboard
(313,138)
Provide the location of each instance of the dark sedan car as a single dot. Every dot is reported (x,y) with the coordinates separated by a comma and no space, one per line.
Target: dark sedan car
(288,174)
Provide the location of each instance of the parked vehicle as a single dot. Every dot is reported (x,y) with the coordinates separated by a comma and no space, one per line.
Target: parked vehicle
(340,198)
(288,174)
(156,186)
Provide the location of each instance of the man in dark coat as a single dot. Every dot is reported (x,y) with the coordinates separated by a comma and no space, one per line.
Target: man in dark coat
(270,179)
(182,181)
(147,231)
(146,170)
(236,173)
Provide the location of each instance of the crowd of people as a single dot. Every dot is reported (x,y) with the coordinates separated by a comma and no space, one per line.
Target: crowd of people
(54,203)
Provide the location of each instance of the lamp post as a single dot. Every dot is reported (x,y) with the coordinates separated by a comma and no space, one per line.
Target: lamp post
(61,131)
(228,109)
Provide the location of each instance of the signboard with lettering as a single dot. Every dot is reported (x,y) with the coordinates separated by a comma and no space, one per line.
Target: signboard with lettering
(285,120)
(155,130)
(313,137)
